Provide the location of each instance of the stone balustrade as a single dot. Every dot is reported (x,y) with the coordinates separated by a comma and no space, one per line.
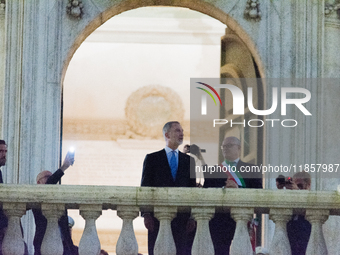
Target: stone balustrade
(165,202)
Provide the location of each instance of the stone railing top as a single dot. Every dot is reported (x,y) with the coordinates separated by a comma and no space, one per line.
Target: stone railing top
(183,198)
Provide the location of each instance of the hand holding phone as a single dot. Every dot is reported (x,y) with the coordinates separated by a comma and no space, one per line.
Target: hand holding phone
(69,159)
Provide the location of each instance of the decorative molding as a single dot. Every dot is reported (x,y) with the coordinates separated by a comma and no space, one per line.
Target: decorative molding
(75,8)
(106,130)
(2,5)
(331,8)
(252,10)
(150,107)
(94,129)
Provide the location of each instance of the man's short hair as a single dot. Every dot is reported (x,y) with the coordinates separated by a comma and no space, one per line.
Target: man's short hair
(167,126)
(303,175)
(235,140)
(3,142)
(43,174)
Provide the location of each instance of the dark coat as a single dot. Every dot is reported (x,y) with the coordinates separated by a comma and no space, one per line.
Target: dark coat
(298,231)
(157,173)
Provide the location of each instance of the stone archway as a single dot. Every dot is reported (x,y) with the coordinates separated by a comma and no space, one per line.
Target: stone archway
(214,11)
(200,6)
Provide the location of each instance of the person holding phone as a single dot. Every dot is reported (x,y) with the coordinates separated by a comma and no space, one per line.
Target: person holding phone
(46,177)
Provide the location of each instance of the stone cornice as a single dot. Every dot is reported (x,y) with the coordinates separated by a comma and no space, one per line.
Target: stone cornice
(74,129)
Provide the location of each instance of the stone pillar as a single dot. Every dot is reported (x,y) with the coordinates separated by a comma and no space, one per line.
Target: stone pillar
(2,59)
(127,242)
(165,244)
(241,244)
(13,243)
(89,243)
(280,244)
(203,244)
(316,244)
(52,243)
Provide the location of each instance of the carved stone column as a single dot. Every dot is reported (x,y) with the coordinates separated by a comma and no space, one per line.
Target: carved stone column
(280,244)
(241,244)
(13,242)
(165,244)
(89,243)
(52,243)
(317,244)
(127,242)
(203,244)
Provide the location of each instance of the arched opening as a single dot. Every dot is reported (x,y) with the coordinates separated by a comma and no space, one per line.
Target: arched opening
(195,5)
(114,141)
(125,69)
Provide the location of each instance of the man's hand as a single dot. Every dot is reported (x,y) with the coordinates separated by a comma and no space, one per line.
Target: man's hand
(68,161)
(186,149)
(292,185)
(191,225)
(149,222)
(231,184)
(280,185)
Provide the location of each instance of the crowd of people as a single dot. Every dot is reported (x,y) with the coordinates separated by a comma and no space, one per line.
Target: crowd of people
(170,167)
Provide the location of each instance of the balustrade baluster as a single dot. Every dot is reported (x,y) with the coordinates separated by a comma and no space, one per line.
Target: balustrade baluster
(241,243)
(52,243)
(165,244)
(89,243)
(317,244)
(203,244)
(127,242)
(280,244)
(13,242)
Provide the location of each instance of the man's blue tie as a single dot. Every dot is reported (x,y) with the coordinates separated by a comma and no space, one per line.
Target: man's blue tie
(173,164)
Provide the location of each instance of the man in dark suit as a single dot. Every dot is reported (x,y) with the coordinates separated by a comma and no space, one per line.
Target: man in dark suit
(46,177)
(170,168)
(222,226)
